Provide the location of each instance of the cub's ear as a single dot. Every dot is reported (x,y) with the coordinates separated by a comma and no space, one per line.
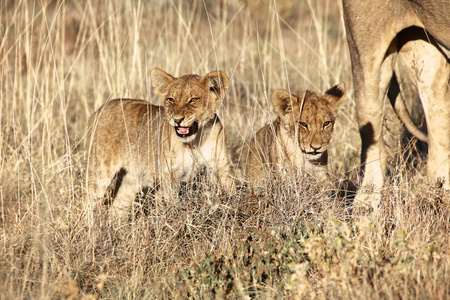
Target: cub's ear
(161,81)
(335,95)
(283,101)
(217,82)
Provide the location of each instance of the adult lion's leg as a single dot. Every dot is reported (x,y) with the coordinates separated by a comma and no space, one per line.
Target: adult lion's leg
(372,74)
(370,99)
(429,70)
(373,55)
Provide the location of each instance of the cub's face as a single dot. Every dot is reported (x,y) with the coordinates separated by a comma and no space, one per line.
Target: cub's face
(309,117)
(191,100)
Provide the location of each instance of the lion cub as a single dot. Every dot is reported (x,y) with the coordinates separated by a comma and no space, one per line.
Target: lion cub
(134,144)
(298,138)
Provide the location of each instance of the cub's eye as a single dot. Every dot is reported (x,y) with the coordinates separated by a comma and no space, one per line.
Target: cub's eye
(304,125)
(193,100)
(170,100)
(326,124)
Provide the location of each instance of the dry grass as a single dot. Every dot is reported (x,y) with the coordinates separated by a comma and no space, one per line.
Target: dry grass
(59,61)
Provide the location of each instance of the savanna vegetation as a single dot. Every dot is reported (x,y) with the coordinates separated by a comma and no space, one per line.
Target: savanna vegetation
(61,60)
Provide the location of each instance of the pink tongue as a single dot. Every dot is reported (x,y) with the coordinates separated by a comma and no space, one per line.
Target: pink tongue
(183,130)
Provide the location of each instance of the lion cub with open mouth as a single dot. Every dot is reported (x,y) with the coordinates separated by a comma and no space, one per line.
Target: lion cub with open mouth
(136,145)
(299,137)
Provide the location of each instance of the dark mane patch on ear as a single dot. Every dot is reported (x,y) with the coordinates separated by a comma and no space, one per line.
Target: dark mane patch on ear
(336,90)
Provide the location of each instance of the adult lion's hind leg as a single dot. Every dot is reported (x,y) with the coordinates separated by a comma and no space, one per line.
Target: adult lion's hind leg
(429,70)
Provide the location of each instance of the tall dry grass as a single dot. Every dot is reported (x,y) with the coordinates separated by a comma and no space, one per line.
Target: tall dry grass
(60,60)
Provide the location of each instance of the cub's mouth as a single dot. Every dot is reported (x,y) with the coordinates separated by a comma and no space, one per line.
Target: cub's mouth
(184,132)
(315,154)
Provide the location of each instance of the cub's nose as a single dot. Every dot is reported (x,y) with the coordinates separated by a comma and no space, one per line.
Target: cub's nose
(178,121)
(315,147)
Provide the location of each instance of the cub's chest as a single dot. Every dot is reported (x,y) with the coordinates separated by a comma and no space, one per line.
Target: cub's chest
(188,160)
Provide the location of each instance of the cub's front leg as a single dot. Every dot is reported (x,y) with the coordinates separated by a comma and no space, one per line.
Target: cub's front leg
(225,175)
(214,151)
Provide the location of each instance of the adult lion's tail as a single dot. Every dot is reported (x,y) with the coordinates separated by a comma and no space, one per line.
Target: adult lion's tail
(403,114)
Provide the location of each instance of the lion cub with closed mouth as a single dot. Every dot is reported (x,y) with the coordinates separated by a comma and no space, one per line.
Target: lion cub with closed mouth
(298,139)
(136,145)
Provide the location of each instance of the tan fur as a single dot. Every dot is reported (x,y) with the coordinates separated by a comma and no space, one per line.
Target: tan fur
(299,137)
(137,141)
(378,49)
